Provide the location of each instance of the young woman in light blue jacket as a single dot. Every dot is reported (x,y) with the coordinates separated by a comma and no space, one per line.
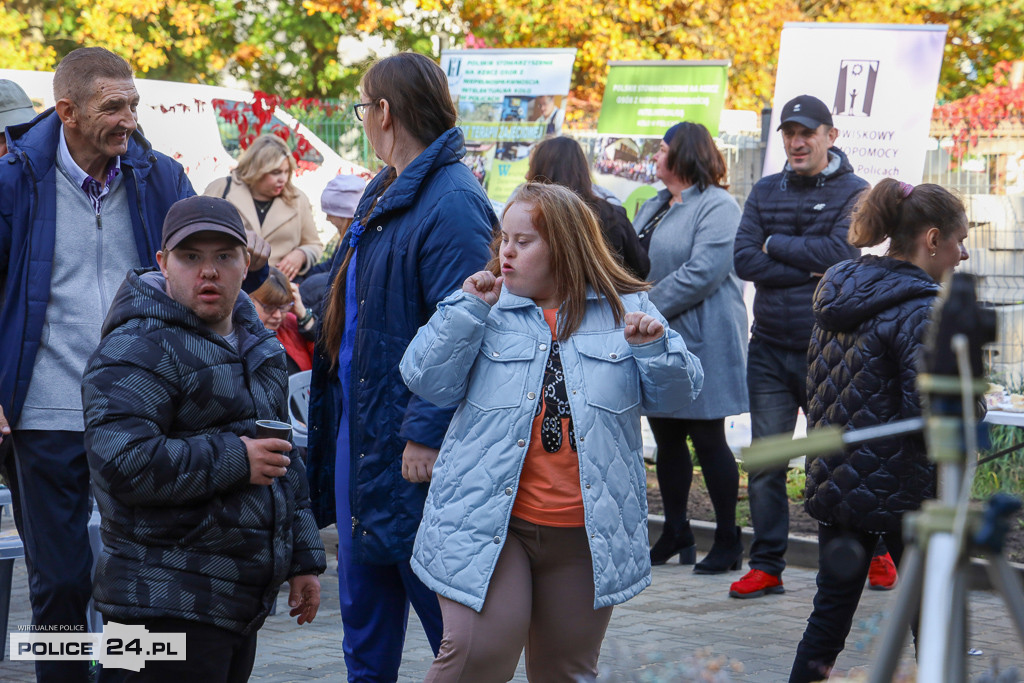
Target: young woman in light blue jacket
(536,519)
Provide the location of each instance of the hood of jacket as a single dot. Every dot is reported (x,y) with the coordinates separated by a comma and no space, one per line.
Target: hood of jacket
(144,295)
(856,290)
(838,165)
(448,148)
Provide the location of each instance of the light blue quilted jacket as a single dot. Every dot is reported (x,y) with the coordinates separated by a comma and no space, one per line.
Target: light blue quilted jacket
(490,361)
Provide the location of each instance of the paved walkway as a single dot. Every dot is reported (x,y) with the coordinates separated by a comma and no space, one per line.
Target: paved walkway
(657,636)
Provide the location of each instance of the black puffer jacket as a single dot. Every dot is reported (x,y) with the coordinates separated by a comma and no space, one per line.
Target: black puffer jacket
(805,221)
(621,237)
(870,317)
(185,535)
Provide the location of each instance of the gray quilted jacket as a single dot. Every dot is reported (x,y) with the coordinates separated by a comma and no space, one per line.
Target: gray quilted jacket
(490,361)
(185,535)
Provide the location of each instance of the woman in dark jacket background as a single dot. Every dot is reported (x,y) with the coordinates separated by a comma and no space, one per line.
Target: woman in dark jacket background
(870,317)
(561,161)
(422,227)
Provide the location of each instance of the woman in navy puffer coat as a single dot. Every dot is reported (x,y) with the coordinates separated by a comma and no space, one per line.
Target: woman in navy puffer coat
(870,316)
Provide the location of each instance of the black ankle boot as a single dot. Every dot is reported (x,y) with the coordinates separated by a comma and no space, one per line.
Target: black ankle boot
(726,554)
(674,542)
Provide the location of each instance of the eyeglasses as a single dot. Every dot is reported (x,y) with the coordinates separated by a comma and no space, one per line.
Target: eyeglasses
(358,109)
(284,308)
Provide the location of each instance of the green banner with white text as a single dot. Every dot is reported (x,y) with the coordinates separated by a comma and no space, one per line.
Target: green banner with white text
(646,98)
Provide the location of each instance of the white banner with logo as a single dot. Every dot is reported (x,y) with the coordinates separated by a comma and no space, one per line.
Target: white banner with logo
(508,100)
(879,80)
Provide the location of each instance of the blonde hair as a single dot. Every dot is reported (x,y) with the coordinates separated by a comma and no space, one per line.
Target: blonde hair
(579,254)
(264,156)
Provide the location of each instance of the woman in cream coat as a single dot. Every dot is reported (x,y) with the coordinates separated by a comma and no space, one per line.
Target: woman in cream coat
(271,206)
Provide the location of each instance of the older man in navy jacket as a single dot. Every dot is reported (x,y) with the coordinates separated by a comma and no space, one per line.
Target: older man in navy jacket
(84,201)
(794,227)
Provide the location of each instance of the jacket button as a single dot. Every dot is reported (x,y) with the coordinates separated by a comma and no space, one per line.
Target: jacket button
(521,442)
(497,539)
(363,455)
(508,491)
(379,228)
(613,356)
(362,379)
(495,354)
(543,347)
(531,396)
(588,486)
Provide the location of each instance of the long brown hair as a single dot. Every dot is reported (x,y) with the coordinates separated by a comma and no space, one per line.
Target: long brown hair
(561,161)
(417,91)
(901,212)
(579,254)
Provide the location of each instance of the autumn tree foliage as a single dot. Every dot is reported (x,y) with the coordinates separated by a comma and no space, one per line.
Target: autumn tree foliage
(160,38)
(999,104)
(747,32)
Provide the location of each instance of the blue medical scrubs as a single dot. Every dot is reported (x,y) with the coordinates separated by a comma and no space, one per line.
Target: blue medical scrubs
(375,598)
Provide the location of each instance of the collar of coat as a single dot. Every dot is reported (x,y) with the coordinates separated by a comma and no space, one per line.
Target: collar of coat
(280,213)
(447,149)
(507,300)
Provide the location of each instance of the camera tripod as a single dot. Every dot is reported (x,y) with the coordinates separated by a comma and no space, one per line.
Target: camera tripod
(940,537)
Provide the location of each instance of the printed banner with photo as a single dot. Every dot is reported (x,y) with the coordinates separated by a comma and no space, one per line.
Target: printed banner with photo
(641,101)
(507,100)
(878,79)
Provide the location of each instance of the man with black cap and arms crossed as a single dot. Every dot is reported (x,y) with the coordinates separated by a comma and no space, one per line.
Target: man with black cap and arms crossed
(202,521)
(794,227)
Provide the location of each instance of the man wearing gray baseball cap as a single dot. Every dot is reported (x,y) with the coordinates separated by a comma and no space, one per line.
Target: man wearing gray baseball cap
(171,396)
(15,108)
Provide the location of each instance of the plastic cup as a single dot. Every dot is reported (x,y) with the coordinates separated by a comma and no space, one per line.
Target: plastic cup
(273,429)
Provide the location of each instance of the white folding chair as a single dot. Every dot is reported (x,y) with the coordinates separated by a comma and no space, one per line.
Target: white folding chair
(298,406)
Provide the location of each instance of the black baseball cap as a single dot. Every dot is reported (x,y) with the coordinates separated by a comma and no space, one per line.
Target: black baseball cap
(807,111)
(201,214)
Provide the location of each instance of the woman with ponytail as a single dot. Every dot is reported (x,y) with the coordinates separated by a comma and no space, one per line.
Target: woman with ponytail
(422,227)
(870,317)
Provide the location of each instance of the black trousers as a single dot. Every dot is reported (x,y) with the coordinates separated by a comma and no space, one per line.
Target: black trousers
(841,575)
(212,655)
(52,491)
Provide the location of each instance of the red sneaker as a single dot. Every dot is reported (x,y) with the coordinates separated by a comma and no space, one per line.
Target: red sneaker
(755,584)
(882,573)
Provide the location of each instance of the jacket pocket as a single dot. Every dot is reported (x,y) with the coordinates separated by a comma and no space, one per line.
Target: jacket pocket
(498,377)
(610,377)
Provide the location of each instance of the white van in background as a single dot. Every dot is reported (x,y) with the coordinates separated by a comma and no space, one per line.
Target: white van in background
(180,120)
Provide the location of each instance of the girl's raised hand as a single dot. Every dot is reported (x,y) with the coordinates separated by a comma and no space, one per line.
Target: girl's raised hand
(484,285)
(642,328)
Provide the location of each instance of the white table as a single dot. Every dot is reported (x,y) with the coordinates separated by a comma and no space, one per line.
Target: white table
(1004,417)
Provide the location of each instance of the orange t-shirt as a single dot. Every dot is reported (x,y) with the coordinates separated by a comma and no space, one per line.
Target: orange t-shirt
(549,485)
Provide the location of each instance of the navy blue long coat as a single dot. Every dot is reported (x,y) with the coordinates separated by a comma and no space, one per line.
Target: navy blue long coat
(429,231)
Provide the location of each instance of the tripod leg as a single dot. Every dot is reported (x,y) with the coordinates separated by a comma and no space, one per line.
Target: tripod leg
(937,610)
(904,606)
(956,652)
(1005,581)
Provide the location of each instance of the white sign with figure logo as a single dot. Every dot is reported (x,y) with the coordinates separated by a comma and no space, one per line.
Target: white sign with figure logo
(879,81)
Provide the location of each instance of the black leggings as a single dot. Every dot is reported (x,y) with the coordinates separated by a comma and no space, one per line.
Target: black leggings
(675,469)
